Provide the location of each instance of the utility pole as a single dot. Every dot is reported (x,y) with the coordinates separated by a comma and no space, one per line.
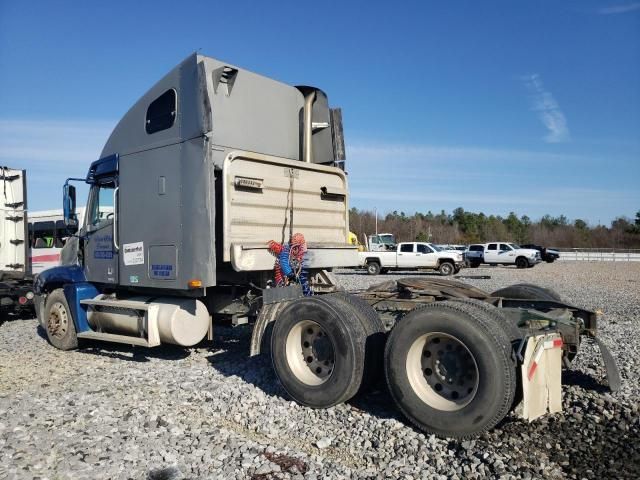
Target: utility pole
(375,209)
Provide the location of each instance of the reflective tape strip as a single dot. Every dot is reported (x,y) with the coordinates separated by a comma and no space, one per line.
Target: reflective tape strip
(556,342)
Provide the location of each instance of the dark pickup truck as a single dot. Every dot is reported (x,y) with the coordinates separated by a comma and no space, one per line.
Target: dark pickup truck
(548,255)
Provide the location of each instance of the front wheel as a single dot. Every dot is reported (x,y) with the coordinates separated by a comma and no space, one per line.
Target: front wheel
(522,262)
(446,269)
(58,322)
(449,369)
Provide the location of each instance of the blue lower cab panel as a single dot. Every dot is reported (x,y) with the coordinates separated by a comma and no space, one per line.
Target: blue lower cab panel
(75,292)
(56,277)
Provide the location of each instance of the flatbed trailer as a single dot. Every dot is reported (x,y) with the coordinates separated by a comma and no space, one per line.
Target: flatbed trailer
(222,194)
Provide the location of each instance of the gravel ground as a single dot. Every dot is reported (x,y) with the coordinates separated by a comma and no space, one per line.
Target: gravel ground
(111,411)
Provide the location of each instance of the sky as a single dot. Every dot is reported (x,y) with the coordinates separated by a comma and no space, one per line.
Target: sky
(495,106)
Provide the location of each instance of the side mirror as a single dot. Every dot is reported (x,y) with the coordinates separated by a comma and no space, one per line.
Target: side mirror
(69,205)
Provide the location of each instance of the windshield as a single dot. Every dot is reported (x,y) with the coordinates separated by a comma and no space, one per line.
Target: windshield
(514,245)
(386,238)
(436,248)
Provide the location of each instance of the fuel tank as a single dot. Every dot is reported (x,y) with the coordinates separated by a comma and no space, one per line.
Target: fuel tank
(181,321)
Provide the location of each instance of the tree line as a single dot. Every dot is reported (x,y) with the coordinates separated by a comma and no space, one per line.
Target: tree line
(463,227)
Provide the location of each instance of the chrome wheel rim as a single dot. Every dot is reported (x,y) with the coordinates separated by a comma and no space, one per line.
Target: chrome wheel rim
(442,371)
(310,353)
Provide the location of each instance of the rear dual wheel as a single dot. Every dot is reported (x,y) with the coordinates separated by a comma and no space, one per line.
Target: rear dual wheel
(450,370)
(326,349)
(528,291)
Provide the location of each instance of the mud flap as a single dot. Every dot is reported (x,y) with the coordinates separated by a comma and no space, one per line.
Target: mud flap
(613,374)
(541,376)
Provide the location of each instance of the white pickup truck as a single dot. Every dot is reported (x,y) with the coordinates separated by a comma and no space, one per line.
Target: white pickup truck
(412,256)
(501,253)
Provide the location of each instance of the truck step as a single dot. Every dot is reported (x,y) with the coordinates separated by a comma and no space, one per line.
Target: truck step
(112,337)
(134,305)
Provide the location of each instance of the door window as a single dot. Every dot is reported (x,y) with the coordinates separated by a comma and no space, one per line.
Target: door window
(406,248)
(422,248)
(492,246)
(43,234)
(504,247)
(102,205)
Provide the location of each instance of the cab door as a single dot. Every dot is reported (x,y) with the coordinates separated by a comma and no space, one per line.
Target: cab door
(100,250)
(426,256)
(506,253)
(406,256)
(491,253)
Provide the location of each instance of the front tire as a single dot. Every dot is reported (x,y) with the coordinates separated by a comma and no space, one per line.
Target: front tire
(446,269)
(449,369)
(522,262)
(58,321)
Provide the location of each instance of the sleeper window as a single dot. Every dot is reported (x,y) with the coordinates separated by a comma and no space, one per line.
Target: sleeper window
(161,113)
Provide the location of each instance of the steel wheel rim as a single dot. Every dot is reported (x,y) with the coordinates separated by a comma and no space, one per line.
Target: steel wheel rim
(310,353)
(442,371)
(58,320)
(446,269)
(371,268)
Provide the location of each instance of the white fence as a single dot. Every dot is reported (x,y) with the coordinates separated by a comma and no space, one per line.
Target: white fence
(600,254)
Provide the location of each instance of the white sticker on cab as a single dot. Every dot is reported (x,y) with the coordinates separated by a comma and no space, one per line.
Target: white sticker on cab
(133,253)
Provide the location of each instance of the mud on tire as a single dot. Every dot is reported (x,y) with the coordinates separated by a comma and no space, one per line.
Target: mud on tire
(58,321)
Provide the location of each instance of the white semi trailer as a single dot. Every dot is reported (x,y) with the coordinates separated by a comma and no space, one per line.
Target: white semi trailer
(16,292)
(229,198)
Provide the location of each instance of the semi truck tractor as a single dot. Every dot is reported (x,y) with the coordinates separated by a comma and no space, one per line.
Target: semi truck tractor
(221,194)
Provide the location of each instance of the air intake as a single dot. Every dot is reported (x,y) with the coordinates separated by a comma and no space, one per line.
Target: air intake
(225,76)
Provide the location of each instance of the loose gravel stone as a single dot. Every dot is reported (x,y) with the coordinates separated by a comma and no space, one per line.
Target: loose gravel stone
(323,442)
(113,411)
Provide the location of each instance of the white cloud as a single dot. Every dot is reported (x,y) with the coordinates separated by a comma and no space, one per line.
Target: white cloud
(47,143)
(493,180)
(615,9)
(51,151)
(445,154)
(548,110)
